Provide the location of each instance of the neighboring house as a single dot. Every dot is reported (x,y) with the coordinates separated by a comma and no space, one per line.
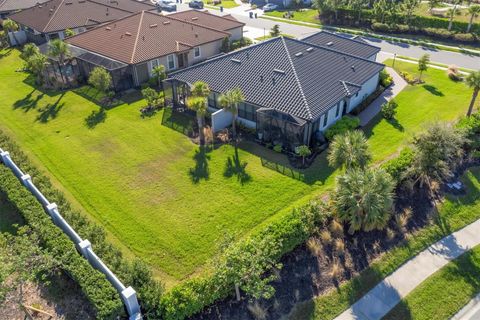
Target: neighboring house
(50,19)
(224,23)
(293,90)
(10,6)
(355,46)
(132,46)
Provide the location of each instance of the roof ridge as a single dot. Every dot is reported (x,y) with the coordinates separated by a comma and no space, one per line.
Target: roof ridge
(339,36)
(194,24)
(116,8)
(138,35)
(53,15)
(208,13)
(297,80)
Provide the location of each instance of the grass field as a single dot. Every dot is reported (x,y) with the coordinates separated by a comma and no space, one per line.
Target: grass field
(455,213)
(444,293)
(227,4)
(157,194)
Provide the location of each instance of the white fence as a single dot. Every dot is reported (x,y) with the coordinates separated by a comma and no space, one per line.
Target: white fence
(128,295)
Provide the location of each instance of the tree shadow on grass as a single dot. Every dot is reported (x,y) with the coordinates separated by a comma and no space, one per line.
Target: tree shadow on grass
(397,125)
(5,53)
(50,111)
(201,170)
(433,90)
(235,167)
(95,118)
(28,103)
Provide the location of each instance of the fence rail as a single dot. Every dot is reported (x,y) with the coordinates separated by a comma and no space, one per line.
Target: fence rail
(128,295)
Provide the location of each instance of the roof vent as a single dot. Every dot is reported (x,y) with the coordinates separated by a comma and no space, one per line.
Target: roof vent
(81,1)
(299,54)
(196,35)
(67,3)
(166,22)
(279,71)
(108,28)
(194,18)
(353,68)
(236,61)
(153,25)
(128,34)
(330,44)
(309,49)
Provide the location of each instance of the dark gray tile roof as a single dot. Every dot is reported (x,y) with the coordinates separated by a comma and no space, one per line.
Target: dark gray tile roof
(287,75)
(355,46)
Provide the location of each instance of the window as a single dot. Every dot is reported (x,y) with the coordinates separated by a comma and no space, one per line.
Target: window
(196,52)
(153,64)
(246,111)
(337,111)
(171,62)
(325,120)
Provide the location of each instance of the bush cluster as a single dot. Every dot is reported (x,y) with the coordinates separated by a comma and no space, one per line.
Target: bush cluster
(397,167)
(343,125)
(243,42)
(94,285)
(389,109)
(385,78)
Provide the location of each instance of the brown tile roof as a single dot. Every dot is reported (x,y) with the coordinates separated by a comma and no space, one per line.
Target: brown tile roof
(56,15)
(205,18)
(14,5)
(145,36)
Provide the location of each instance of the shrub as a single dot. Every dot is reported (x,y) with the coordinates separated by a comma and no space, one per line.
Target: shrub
(408,77)
(336,228)
(277,148)
(326,237)
(100,79)
(343,125)
(385,78)
(464,37)
(397,167)
(390,234)
(314,246)
(389,109)
(438,33)
(336,271)
(453,73)
(381,27)
(339,246)
(243,42)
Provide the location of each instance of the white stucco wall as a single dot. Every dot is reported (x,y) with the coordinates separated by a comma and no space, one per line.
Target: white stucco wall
(221,119)
(367,89)
(236,33)
(332,116)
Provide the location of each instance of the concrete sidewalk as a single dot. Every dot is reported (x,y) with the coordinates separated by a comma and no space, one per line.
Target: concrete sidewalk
(470,312)
(391,92)
(388,293)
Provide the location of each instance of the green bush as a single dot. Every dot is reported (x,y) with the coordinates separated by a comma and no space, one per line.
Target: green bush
(408,77)
(94,285)
(464,37)
(389,109)
(341,126)
(396,167)
(385,78)
(438,33)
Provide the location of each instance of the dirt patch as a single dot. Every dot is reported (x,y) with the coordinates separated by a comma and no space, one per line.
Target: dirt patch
(62,299)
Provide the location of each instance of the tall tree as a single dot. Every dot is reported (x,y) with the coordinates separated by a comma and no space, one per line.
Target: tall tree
(60,50)
(473,11)
(364,198)
(198,103)
(349,150)
(423,64)
(29,50)
(357,6)
(37,64)
(229,101)
(160,74)
(275,32)
(11,26)
(409,7)
(100,79)
(473,81)
(432,4)
(380,9)
(452,12)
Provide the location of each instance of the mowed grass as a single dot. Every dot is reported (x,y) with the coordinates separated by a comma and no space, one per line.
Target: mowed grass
(303,15)
(444,293)
(160,197)
(454,213)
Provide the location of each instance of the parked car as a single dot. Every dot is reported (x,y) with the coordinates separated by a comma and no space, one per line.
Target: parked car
(167,5)
(269,7)
(196,4)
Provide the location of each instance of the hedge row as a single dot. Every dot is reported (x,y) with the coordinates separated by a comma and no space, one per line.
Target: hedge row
(95,286)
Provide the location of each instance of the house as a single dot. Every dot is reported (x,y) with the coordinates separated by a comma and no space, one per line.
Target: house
(10,6)
(49,20)
(132,46)
(294,90)
(355,46)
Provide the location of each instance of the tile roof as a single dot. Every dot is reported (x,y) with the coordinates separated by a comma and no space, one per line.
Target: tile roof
(56,15)
(287,75)
(14,5)
(355,46)
(144,36)
(205,18)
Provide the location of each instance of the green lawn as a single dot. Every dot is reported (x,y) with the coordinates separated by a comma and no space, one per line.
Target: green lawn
(444,293)
(227,4)
(158,196)
(455,213)
(304,15)
(463,15)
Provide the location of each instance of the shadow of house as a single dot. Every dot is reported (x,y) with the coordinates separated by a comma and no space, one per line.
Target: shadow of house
(201,171)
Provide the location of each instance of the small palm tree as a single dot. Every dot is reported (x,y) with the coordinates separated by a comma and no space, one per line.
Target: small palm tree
(199,105)
(303,151)
(11,26)
(37,64)
(364,198)
(160,74)
(452,12)
(423,64)
(29,50)
(473,81)
(473,11)
(349,150)
(229,102)
(60,50)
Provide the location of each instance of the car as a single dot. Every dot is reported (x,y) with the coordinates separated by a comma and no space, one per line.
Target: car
(167,5)
(196,4)
(269,7)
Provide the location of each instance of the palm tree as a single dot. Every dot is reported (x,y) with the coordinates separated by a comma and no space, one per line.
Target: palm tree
(37,64)
(229,102)
(409,7)
(60,50)
(452,12)
(29,50)
(423,64)
(11,26)
(199,105)
(473,81)
(350,150)
(364,198)
(473,11)
(160,74)
(432,4)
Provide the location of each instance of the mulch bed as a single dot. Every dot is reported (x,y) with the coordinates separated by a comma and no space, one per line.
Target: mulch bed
(307,270)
